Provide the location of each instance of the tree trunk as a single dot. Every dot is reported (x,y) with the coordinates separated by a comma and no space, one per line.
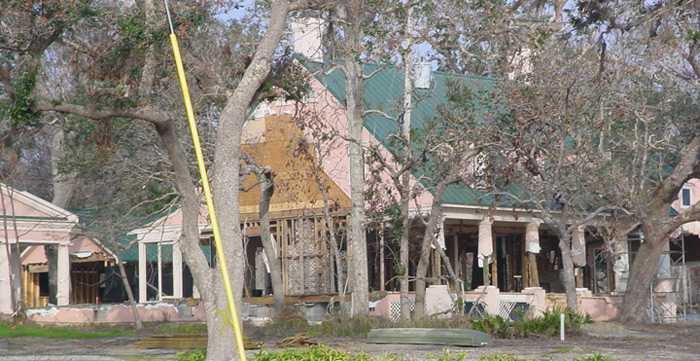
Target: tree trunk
(405,182)
(358,238)
(567,272)
(219,345)
(428,239)
(14,262)
(403,259)
(422,268)
(226,172)
(51,252)
(332,240)
(130,295)
(267,188)
(642,273)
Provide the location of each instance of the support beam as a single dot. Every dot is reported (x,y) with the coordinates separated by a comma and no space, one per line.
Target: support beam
(63,270)
(532,248)
(177,271)
(143,279)
(578,253)
(5,284)
(382,277)
(485,247)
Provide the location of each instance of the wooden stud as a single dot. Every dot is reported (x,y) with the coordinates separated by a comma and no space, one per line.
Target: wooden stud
(494,264)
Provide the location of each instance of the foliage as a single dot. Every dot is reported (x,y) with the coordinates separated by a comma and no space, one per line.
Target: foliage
(595,357)
(194,355)
(289,322)
(448,356)
(493,325)
(316,353)
(8,330)
(499,357)
(548,325)
(180,327)
(545,326)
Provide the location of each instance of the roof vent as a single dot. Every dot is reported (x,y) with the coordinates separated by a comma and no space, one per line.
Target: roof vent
(422,75)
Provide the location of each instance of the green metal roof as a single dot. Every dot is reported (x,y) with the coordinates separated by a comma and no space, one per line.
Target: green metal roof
(384,91)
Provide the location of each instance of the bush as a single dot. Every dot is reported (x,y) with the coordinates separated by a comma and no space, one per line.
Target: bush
(196,355)
(495,326)
(316,353)
(545,326)
(499,357)
(289,322)
(595,357)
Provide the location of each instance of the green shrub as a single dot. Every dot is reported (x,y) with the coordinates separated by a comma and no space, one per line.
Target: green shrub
(8,330)
(180,327)
(316,353)
(595,357)
(493,325)
(546,325)
(289,322)
(499,357)
(195,355)
(448,356)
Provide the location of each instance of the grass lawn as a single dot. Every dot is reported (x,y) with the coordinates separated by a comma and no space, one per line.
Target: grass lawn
(17,330)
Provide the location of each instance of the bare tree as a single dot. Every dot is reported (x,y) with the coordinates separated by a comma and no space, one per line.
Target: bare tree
(111,81)
(659,147)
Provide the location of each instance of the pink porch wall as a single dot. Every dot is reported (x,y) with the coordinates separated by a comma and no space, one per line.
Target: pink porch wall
(383,306)
(118,313)
(598,308)
(332,118)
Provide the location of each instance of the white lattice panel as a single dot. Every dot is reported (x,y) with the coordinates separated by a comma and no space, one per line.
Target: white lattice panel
(395,309)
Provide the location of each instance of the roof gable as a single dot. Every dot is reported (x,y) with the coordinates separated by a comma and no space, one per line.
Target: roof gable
(25,205)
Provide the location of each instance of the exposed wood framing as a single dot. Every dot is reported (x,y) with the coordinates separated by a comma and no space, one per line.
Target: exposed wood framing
(304,252)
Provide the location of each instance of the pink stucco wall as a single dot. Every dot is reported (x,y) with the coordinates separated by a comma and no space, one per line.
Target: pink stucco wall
(694,186)
(21,208)
(599,308)
(117,313)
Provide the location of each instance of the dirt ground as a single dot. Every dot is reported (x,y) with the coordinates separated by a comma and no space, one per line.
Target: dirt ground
(660,342)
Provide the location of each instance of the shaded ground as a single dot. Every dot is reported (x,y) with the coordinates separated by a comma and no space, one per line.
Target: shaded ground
(662,342)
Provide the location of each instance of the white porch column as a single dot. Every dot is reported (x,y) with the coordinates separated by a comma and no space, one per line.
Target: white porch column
(5,285)
(142,273)
(578,253)
(532,237)
(177,270)
(485,242)
(578,246)
(532,247)
(63,271)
